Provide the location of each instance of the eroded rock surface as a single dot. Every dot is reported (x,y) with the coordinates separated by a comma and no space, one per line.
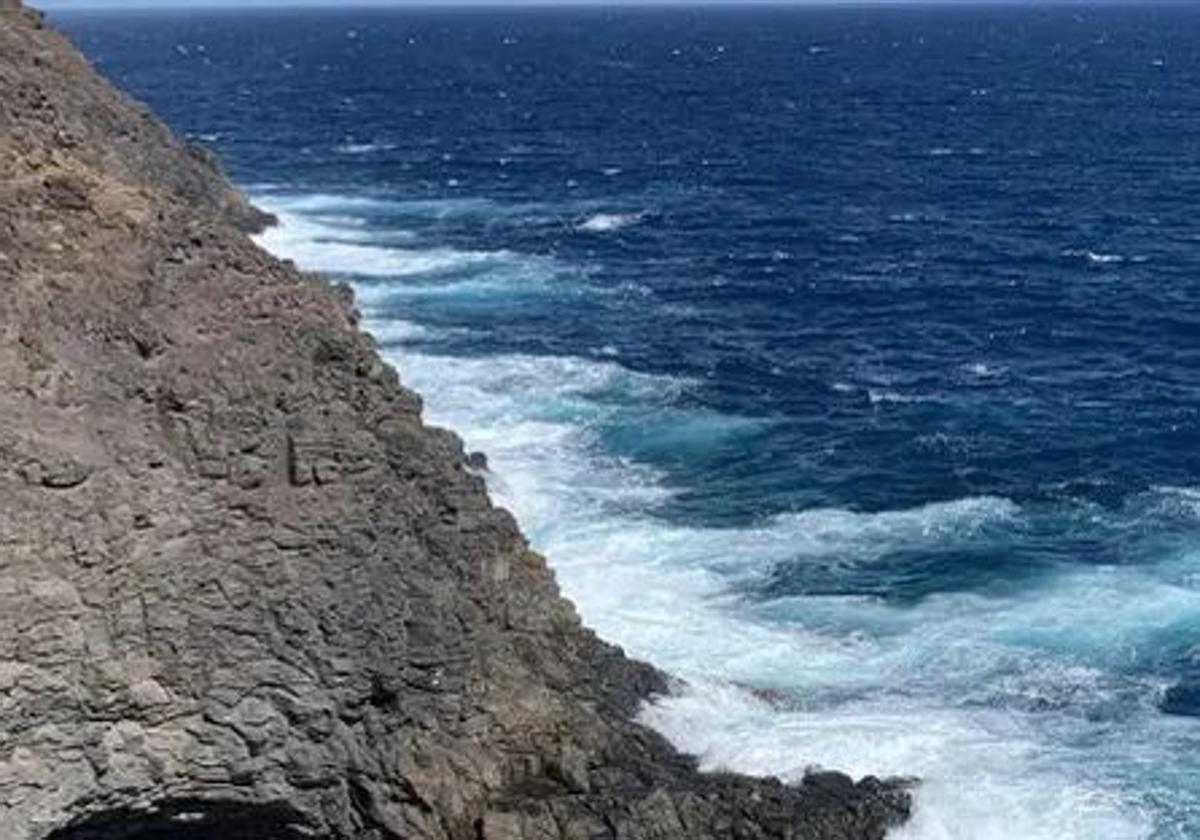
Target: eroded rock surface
(244,591)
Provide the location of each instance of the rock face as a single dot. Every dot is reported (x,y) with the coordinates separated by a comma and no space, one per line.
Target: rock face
(244,591)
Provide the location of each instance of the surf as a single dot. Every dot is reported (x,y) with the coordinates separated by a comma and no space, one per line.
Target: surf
(960,689)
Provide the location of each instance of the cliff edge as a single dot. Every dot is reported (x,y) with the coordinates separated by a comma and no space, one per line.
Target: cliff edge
(244,591)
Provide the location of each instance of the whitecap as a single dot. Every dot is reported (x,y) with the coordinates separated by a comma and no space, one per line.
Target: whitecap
(1094,257)
(878,396)
(983,370)
(396,331)
(608,222)
(319,203)
(538,419)
(317,247)
(326,204)
(363,148)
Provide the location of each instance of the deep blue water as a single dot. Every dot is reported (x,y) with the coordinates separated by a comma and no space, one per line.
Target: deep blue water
(851,353)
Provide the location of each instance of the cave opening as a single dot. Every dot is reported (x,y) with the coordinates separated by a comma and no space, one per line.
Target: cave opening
(195,819)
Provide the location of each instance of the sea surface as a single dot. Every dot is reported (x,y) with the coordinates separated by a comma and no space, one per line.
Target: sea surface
(852,354)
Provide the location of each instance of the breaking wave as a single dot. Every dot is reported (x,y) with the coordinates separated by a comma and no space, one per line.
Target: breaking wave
(981,693)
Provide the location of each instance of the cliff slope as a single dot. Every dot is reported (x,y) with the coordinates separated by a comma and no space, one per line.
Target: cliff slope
(244,591)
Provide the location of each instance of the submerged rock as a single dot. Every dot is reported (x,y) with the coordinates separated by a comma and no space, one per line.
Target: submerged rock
(244,591)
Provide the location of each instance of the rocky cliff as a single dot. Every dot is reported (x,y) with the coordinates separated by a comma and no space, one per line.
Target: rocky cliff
(244,591)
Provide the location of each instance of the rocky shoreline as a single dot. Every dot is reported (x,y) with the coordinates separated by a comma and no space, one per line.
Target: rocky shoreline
(244,591)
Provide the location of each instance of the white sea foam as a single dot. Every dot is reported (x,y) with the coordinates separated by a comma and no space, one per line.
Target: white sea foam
(304,206)
(396,331)
(941,689)
(364,148)
(951,666)
(878,396)
(1100,258)
(350,258)
(324,205)
(316,244)
(537,418)
(959,671)
(983,370)
(1103,259)
(318,203)
(1184,500)
(980,777)
(608,222)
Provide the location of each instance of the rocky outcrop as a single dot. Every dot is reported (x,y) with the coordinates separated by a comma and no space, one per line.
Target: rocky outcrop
(244,591)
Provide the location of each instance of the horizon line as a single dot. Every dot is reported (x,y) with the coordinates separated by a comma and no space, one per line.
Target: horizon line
(68,6)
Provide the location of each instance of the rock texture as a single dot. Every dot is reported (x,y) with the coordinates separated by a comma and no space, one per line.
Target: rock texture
(244,591)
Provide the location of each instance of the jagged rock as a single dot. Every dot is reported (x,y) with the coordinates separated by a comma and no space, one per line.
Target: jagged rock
(244,591)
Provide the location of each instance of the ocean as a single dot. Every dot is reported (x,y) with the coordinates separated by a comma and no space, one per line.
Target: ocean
(844,362)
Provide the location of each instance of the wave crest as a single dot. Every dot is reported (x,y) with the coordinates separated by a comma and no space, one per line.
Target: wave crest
(609,222)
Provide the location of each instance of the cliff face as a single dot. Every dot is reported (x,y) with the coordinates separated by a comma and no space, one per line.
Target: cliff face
(244,591)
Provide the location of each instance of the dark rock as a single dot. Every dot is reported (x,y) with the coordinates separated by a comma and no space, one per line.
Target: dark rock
(244,591)
(1182,699)
(67,193)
